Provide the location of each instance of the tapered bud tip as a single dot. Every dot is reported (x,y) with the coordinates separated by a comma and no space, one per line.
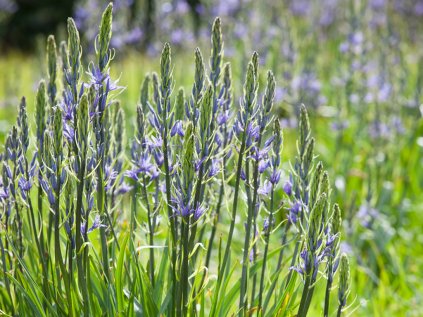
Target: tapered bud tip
(254,60)
(216,23)
(51,44)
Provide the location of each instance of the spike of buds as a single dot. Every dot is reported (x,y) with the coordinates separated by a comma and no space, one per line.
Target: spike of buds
(104,37)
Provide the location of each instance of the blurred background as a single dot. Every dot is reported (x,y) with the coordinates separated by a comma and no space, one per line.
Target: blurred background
(357,65)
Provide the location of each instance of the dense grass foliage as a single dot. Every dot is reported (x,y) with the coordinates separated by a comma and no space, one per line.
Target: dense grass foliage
(197,204)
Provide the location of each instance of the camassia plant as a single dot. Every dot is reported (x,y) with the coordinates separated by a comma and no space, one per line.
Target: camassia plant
(188,217)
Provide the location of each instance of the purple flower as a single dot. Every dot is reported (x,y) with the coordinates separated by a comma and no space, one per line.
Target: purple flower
(287,188)
(133,174)
(198,212)
(243,175)
(96,224)
(275,177)
(24,185)
(48,190)
(294,212)
(265,189)
(177,129)
(266,225)
(222,118)
(4,193)
(214,169)
(263,165)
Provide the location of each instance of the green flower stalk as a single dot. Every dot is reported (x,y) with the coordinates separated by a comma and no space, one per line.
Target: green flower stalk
(72,73)
(199,79)
(344,283)
(334,237)
(104,38)
(52,69)
(277,144)
(312,252)
(102,126)
(227,97)
(82,144)
(216,53)
(188,178)
(57,144)
(144,95)
(244,117)
(263,119)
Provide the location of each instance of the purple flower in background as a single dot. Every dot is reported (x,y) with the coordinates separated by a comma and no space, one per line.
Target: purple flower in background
(8,6)
(367,215)
(418,8)
(300,7)
(340,126)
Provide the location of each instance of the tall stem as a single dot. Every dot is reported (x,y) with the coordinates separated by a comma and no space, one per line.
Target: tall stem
(150,230)
(57,249)
(328,287)
(82,280)
(243,300)
(266,249)
(222,270)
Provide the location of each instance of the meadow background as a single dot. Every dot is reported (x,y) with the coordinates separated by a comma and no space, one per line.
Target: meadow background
(356,65)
